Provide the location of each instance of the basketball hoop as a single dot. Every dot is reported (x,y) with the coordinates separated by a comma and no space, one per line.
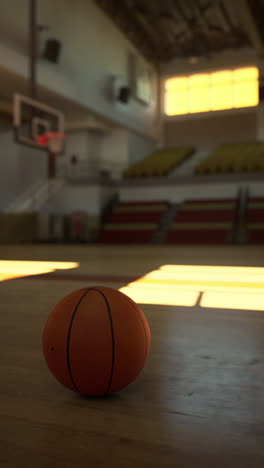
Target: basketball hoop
(52,140)
(37,124)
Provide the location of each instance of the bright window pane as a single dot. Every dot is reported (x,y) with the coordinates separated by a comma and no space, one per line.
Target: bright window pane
(177,96)
(199,99)
(221,90)
(246,94)
(224,89)
(177,102)
(221,77)
(221,97)
(173,84)
(199,93)
(246,74)
(200,80)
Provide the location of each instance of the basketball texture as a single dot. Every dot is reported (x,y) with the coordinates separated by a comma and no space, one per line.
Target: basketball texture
(96,341)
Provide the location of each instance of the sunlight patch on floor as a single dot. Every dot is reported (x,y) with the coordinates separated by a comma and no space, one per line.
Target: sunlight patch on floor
(232,300)
(221,287)
(160,295)
(10,269)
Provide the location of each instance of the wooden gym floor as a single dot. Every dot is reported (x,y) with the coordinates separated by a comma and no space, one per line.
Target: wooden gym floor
(198,403)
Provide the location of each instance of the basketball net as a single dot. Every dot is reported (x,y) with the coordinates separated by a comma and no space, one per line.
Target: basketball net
(52,140)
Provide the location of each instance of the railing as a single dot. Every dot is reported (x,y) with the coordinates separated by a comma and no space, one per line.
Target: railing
(85,170)
(35,196)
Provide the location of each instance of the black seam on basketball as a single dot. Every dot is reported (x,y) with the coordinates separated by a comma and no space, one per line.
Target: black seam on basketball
(113,342)
(112,333)
(146,341)
(69,336)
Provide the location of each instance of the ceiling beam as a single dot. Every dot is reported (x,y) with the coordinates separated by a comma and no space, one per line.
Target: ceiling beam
(129,3)
(197,37)
(149,30)
(250,26)
(122,14)
(200,17)
(178,12)
(224,17)
(166,23)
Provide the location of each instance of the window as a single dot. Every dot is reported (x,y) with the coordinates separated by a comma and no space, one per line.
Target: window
(204,92)
(221,90)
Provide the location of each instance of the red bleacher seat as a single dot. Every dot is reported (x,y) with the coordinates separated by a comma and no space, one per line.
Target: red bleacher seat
(205,216)
(133,222)
(203,222)
(140,217)
(255,220)
(256,236)
(255,215)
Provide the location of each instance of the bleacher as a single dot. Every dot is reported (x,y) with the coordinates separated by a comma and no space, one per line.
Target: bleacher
(203,222)
(255,220)
(160,163)
(210,221)
(133,222)
(234,158)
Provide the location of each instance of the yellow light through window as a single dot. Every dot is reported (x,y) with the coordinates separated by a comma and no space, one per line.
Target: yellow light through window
(246,94)
(174,84)
(246,74)
(221,90)
(225,89)
(15,268)
(199,93)
(177,96)
(182,284)
(246,87)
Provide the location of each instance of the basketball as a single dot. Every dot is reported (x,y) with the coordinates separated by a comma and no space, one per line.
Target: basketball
(96,341)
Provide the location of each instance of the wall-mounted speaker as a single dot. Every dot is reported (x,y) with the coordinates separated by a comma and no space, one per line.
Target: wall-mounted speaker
(52,50)
(124,94)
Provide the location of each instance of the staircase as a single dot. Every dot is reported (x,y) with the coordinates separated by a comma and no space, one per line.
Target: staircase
(188,167)
(108,208)
(168,218)
(35,196)
(240,229)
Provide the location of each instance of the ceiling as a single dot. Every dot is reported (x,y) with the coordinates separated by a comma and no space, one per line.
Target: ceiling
(163,30)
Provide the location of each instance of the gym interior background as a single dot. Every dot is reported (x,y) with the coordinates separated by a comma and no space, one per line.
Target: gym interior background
(155,188)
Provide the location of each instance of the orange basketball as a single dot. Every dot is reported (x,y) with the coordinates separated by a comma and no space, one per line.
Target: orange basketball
(96,341)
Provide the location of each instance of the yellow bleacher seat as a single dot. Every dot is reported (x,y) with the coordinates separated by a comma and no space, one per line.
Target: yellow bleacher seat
(236,157)
(159,163)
